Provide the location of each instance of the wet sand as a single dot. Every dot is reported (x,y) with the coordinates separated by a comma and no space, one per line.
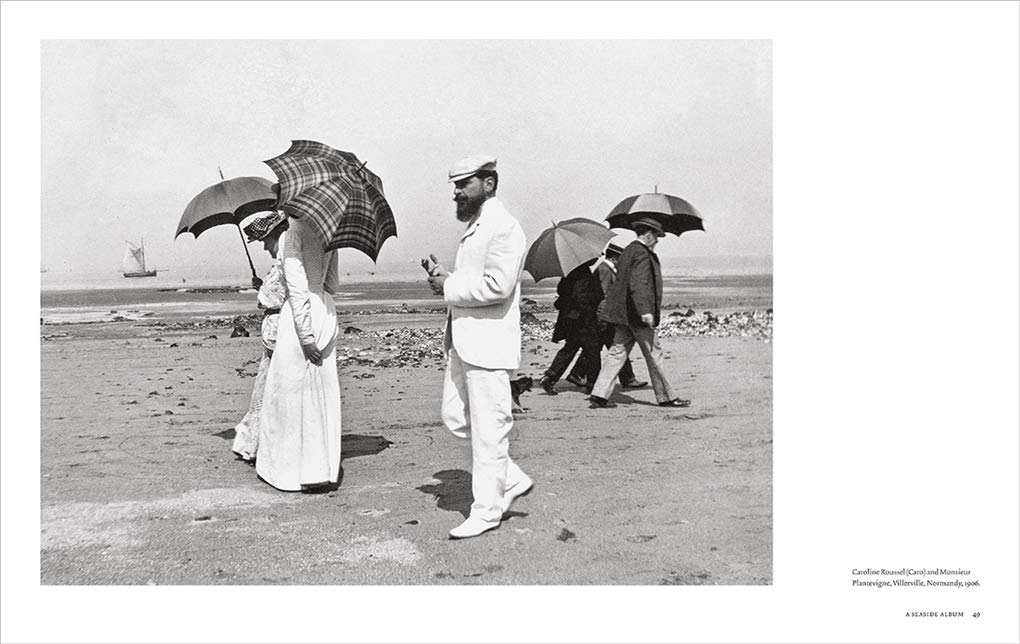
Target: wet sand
(139,484)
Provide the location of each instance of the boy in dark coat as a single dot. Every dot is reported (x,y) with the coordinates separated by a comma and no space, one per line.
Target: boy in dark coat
(579,294)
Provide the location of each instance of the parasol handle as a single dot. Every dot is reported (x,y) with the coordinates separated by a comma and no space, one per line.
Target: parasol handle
(245,244)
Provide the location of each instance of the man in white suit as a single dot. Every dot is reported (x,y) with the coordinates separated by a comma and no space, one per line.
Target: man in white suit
(483,339)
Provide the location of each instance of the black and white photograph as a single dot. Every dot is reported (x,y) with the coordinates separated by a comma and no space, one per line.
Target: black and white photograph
(274,371)
(437,322)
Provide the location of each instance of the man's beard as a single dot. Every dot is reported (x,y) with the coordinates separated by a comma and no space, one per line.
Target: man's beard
(468,208)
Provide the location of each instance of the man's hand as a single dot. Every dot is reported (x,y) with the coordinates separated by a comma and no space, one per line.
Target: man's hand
(433,267)
(436,282)
(437,273)
(312,354)
(256,282)
(648,319)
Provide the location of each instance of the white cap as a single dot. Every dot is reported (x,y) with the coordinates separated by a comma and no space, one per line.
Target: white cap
(471,166)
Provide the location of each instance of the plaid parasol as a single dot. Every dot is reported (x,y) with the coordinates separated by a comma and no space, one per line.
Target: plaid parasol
(335,191)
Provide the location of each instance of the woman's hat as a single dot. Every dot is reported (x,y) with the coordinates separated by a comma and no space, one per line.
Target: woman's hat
(262,226)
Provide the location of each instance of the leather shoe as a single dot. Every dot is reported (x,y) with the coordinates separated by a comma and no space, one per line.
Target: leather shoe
(634,384)
(516,492)
(472,527)
(548,385)
(574,380)
(601,402)
(676,402)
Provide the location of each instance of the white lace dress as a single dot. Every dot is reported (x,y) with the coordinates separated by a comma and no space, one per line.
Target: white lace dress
(271,296)
(299,425)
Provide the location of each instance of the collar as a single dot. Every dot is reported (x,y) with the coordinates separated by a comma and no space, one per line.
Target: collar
(472,225)
(645,246)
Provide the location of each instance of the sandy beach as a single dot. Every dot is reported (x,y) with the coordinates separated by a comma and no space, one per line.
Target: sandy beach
(139,484)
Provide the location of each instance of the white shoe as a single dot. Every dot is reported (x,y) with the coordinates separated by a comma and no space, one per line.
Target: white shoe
(472,528)
(523,487)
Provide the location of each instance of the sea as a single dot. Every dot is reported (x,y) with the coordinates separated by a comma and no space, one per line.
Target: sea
(197,292)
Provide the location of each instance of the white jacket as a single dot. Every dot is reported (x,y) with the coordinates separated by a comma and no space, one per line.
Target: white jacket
(483,293)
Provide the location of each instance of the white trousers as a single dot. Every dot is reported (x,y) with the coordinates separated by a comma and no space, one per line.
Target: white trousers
(477,405)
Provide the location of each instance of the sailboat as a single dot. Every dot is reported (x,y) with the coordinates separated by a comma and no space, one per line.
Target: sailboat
(133,264)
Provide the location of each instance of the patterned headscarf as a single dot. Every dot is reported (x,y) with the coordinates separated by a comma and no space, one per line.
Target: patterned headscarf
(261,227)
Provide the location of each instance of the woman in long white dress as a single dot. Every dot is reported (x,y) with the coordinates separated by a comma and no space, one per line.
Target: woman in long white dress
(299,428)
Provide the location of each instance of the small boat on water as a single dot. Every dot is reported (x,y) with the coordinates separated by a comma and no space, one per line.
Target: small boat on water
(133,264)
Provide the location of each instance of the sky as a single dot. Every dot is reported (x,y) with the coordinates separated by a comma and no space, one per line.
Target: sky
(133,129)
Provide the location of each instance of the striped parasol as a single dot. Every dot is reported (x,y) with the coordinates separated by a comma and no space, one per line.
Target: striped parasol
(336,192)
(676,215)
(565,246)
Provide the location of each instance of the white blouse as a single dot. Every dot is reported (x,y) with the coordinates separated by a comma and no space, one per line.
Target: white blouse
(308,271)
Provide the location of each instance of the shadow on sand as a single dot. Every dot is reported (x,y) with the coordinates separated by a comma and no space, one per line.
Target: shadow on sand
(453,492)
(352,445)
(621,398)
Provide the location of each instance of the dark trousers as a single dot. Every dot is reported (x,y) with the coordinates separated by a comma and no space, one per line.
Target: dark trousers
(588,340)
